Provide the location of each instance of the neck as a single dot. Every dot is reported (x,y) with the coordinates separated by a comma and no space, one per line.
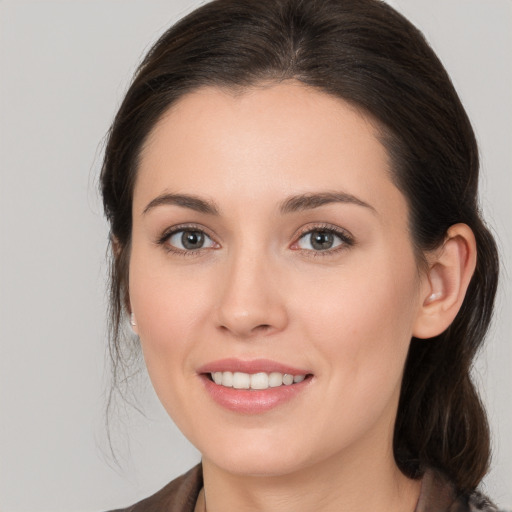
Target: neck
(335,485)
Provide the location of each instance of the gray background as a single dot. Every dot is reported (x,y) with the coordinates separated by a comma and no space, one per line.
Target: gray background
(64,67)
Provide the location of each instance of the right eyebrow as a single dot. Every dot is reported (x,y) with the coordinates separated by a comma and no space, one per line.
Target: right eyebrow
(185,201)
(315,200)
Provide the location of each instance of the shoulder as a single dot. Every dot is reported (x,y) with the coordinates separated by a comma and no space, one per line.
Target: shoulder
(180,495)
(438,493)
(475,502)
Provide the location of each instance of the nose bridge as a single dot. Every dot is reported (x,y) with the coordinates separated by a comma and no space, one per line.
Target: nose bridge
(250,302)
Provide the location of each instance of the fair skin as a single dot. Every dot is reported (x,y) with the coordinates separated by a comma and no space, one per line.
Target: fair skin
(329,287)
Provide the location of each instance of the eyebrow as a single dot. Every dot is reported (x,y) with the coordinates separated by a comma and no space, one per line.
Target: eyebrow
(293,204)
(309,201)
(185,201)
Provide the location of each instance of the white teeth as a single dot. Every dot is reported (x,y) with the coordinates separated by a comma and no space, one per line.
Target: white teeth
(275,379)
(227,379)
(241,380)
(261,380)
(287,379)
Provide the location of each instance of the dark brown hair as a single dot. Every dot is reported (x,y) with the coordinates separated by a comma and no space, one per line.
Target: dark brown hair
(367,54)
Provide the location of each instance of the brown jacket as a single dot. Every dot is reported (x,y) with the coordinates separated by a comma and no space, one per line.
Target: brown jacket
(437,495)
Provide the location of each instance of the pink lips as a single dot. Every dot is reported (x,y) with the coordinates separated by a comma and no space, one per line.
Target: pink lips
(249,401)
(254,366)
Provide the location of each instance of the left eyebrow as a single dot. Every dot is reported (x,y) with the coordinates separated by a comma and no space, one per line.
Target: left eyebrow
(189,201)
(309,201)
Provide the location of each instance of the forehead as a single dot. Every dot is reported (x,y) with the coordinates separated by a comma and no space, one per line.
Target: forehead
(264,141)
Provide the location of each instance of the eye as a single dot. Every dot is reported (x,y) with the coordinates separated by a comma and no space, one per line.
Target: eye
(189,240)
(322,239)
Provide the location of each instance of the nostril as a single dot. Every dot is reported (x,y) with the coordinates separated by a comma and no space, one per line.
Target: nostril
(261,329)
(246,320)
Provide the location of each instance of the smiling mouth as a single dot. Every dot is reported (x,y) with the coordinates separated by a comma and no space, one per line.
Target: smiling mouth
(253,386)
(255,381)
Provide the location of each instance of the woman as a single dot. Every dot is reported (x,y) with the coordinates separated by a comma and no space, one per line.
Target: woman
(292,192)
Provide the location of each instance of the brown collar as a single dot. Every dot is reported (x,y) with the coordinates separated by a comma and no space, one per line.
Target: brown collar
(437,495)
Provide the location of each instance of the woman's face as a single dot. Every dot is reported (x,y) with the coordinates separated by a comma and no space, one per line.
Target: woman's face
(269,239)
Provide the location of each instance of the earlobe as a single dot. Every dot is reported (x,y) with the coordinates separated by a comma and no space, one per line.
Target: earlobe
(446,282)
(133,323)
(117,252)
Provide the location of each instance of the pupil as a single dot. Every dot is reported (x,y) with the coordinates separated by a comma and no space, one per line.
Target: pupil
(192,239)
(322,240)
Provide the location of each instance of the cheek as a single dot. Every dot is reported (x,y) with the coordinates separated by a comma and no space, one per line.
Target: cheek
(162,294)
(363,320)
(170,320)
(170,308)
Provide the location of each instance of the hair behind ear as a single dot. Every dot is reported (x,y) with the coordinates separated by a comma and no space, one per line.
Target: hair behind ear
(441,421)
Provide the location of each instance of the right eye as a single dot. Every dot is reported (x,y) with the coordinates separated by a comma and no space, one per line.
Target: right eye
(189,240)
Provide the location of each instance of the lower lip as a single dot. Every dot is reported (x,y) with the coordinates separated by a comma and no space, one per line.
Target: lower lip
(252,401)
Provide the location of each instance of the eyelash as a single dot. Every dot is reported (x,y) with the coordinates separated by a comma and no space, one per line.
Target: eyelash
(346,240)
(164,240)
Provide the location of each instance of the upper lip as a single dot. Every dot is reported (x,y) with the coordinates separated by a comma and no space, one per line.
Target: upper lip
(252,366)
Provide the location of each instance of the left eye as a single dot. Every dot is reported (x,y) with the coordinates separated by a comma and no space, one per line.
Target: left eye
(320,240)
(190,240)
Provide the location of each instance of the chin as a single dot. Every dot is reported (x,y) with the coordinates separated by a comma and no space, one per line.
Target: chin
(259,459)
(258,467)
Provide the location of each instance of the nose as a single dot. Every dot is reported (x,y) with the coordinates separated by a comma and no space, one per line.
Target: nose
(251,298)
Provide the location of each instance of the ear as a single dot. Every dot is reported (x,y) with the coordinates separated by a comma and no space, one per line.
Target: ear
(116,245)
(133,323)
(117,251)
(444,285)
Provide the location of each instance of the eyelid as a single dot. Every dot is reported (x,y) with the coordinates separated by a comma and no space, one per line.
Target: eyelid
(344,235)
(172,230)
